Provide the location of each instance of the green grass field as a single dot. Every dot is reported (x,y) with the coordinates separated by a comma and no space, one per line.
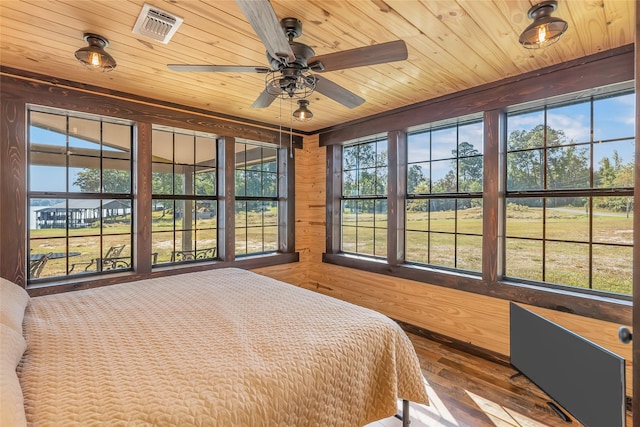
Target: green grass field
(429,240)
(432,240)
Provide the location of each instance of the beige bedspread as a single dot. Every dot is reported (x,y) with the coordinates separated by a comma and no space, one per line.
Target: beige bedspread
(224,347)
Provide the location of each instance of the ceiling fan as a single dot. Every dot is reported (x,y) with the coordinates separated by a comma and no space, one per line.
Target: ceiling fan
(292,65)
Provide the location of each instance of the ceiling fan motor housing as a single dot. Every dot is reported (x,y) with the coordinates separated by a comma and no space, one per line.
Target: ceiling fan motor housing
(292,27)
(302,53)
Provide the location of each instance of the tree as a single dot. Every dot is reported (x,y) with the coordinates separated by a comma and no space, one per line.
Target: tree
(564,167)
(113,181)
(469,167)
(415,177)
(364,172)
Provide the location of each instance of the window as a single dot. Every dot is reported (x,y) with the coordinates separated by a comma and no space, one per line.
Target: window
(569,200)
(444,195)
(364,197)
(509,203)
(79,192)
(184,196)
(256,205)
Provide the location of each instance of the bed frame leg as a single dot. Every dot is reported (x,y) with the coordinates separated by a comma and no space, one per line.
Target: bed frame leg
(406,420)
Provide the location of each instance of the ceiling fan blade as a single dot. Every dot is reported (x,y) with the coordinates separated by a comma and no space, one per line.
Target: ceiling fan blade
(219,68)
(337,93)
(265,23)
(264,100)
(360,56)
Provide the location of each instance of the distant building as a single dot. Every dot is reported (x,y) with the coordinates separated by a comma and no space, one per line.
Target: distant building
(80,213)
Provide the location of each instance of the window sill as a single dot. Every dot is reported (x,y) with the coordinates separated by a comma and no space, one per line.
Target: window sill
(599,307)
(65,284)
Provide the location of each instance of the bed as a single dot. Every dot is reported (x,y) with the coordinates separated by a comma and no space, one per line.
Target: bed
(224,347)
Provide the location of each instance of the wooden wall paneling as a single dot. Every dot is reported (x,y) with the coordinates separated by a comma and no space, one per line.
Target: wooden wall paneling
(492,195)
(142,193)
(227,184)
(397,190)
(89,99)
(333,174)
(287,197)
(13,187)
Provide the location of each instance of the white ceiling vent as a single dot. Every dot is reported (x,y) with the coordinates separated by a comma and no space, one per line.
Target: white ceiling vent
(156,24)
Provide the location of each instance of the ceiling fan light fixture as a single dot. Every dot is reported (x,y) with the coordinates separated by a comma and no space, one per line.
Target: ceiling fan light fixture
(94,57)
(303,114)
(545,29)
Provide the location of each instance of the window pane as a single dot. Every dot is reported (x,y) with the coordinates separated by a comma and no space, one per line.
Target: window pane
(184,151)
(417,247)
(43,220)
(442,249)
(418,147)
(162,178)
(525,130)
(84,174)
(523,259)
(613,226)
(613,269)
(205,152)
(162,244)
(84,134)
(443,215)
(47,129)
(613,163)
(205,181)
(525,170)
(444,143)
(566,222)
(567,264)
(470,216)
(470,139)
(568,168)
(469,253)
(51,177)
(365,242)
(162,146)
(470,174)
(46,247)
(349,212)
(573,122)
(349,238)
(614,117)
(161,215)
(116,138)
(84,254)
(443,174)
(418,178)
(116,176)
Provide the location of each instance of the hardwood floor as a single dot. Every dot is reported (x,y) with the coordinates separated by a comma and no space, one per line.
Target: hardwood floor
(468,390)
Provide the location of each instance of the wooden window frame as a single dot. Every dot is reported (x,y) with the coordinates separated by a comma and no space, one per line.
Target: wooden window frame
(492,100)
(18,89)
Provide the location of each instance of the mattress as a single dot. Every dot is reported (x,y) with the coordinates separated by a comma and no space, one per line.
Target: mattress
(224,347)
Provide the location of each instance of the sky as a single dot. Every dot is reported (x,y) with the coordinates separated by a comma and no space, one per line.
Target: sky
(613,118)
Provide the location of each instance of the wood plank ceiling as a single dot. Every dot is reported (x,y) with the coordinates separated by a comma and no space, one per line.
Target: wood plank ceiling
(453,45)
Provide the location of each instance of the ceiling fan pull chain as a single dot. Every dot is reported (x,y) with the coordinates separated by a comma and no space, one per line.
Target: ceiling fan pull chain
(291,130)
(280,126)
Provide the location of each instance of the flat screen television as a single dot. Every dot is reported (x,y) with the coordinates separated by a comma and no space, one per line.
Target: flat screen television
(588,381)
